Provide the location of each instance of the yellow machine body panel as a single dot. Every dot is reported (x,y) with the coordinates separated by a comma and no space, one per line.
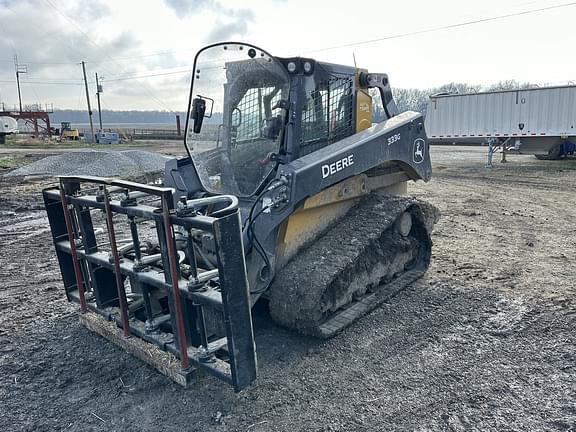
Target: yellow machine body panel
(72,134)
(318,212)
(363,105)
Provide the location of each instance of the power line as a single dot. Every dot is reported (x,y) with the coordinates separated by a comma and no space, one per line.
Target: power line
(396,36)
(161,53)
(445,27)
(89,39)
(41,82)
(148,75)
(43,63)
(119,78)
(38,78)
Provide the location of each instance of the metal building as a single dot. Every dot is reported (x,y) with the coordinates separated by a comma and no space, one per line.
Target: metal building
(535,121)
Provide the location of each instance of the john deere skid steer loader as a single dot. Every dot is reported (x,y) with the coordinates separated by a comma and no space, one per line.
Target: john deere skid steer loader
(291,194)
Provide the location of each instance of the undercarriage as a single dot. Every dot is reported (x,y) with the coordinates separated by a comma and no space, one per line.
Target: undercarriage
(379,247)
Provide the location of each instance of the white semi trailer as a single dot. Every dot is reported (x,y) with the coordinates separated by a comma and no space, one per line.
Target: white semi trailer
(8,125)
(539,121)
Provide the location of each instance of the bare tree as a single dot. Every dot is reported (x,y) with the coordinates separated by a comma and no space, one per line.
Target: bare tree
(510,85)
(417,99)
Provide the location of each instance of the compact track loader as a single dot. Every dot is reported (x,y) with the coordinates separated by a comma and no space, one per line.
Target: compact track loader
(290,193)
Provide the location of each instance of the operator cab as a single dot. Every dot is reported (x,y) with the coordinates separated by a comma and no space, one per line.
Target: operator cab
(238,103)
(250,111)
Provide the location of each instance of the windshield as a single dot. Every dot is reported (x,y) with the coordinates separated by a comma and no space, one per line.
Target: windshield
(242,87)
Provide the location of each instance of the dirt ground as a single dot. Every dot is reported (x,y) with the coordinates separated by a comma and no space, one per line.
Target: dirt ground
(486,341)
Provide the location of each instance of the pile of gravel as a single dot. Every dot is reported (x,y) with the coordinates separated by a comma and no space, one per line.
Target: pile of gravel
(128,163)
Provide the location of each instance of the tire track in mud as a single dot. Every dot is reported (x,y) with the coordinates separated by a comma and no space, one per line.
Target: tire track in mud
(31,282)
(537,184)
(20,227)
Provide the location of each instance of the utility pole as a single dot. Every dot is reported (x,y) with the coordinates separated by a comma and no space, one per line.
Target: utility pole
(98,91)
(88,101)
(20,69)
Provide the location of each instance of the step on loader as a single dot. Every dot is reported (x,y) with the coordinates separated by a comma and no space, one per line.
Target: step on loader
(292,193)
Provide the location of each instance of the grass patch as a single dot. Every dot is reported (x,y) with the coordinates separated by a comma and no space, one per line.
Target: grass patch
(46,145)
(9,162)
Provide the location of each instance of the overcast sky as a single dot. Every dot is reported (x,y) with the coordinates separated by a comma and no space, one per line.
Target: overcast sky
(121,39)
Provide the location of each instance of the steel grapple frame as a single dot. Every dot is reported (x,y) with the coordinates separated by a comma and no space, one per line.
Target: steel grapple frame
(104,280)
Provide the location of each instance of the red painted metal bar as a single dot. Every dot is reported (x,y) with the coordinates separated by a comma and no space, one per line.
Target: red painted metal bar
(71,239)
(116,258)
(173,259)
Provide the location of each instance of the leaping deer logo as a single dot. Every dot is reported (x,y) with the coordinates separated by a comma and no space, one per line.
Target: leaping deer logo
(418,151)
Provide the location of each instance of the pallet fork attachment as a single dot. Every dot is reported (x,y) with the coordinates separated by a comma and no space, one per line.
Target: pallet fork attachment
(138,292)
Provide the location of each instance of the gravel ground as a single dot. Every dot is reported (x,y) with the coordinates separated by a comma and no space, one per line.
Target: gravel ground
(127,163)
(485,341)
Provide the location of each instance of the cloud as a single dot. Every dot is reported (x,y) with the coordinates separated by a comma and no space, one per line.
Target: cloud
(52,37)
(184,8)
(223,32)
(52,47)
(29,28)
(187,7)
(90,10)
(229,22)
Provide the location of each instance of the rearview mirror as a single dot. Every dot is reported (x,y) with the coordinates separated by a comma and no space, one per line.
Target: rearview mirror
(198,111)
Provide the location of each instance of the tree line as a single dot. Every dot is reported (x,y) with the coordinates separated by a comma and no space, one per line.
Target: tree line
(417,99)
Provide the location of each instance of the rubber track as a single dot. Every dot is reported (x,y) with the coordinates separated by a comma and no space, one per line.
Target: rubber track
(347,254)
